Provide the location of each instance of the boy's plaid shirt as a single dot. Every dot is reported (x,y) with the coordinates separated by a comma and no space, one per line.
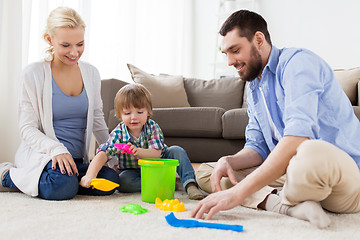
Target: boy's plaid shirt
(150,137)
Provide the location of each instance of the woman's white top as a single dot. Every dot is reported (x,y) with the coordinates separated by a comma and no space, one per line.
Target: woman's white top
(38,142)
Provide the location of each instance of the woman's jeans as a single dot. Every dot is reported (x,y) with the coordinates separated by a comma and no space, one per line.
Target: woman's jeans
(53,185)
(130,179)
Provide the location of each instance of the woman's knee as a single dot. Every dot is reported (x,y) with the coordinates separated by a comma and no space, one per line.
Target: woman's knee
(58,187)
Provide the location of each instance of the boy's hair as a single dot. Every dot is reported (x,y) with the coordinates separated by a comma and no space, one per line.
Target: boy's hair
(132,95)
(248,24)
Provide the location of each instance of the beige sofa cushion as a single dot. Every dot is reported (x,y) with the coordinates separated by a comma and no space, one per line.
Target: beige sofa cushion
(226,93)
(194,122)
(349,79)
(166,90)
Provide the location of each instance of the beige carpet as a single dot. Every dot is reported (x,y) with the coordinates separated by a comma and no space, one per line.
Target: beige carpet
(87,217)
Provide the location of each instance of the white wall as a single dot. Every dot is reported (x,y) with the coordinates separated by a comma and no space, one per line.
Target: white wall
(329,28)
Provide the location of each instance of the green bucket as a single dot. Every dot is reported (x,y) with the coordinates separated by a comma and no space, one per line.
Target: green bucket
(158,178)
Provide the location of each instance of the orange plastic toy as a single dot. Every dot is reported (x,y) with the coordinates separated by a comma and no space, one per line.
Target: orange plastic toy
(170,205)
(103,184)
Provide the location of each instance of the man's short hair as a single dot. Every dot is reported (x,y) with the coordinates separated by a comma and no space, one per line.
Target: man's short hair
(248,23)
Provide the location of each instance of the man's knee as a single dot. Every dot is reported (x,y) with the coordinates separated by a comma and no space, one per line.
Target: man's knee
(203,176)
(316,154)
(322,172)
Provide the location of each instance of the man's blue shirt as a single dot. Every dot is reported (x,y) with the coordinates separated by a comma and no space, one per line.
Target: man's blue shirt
(304,99)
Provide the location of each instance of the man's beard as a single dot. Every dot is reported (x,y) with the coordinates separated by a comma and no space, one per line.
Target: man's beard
(254,66)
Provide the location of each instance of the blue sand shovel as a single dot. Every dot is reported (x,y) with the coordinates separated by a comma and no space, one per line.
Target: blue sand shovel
(173,221)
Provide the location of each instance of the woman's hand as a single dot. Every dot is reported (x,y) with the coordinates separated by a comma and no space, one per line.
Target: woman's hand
(66,164)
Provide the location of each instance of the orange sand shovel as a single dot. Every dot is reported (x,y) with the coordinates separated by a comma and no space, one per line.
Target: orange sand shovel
(103,184)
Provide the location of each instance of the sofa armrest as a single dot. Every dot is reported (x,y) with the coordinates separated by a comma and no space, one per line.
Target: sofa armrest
(234,123)
(109,88)
(357,111)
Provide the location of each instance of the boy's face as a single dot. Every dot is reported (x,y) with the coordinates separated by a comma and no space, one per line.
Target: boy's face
(134,119)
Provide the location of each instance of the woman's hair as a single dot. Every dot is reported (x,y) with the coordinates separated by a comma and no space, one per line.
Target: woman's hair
(132,95)
(61,17)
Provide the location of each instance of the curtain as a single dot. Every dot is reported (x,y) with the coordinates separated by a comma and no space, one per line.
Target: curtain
(10,68)
(155,35)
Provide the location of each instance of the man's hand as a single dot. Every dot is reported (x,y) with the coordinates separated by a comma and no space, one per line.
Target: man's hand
(215,202)
(66,164)
(222,169)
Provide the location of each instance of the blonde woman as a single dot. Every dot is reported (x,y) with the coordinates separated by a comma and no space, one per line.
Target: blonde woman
(59,108)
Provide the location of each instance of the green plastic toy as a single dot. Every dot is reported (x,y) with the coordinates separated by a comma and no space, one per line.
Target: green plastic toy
(135,209)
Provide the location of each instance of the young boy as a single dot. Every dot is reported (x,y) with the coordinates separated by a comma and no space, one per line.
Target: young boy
(133,107)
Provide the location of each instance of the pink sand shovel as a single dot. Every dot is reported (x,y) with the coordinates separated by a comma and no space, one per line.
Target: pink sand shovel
(124,147)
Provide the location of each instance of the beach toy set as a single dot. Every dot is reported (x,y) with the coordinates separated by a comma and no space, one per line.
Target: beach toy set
(158,178)
(158,186)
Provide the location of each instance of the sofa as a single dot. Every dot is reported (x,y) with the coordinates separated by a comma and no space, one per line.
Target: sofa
(206,117)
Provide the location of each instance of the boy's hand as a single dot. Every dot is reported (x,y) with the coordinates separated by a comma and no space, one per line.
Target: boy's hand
(144,153)
(133,149)
(85,181)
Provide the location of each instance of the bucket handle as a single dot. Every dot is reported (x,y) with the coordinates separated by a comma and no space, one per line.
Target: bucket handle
(151,162)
